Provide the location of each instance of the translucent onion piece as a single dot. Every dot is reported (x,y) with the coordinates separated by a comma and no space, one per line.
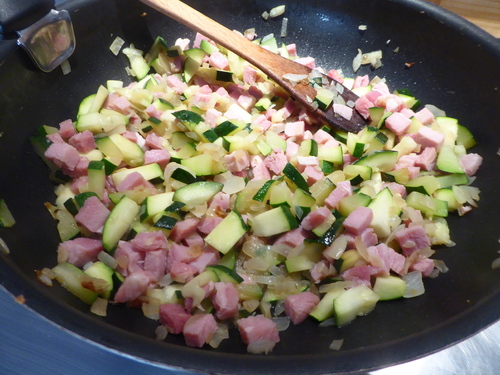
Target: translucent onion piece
(282,323)
(116,46)
(336,344)
(496,264)
(222,333)
(161,333)
(414,284)
(277,11)
(99,307)
(4,249)
(107,259)
(356,62)
(261,346)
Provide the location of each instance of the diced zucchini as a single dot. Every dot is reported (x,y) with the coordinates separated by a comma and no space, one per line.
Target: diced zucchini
(280,194)
(429,206)
(70,278)
(354,302)
(423,184)
(389,287)
(274,221)
(6,218)
(197,192)
(298,263)
(383,161)
(383,209)
(324,309)
(99,270)
(132,153)
(447,160)
(150,172)
(119,222)
(137,62)
(353,201)
(226,274)
(97,177)
(227,233)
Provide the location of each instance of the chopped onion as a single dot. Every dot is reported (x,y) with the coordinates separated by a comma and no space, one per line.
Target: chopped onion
(435,110)
(99,306)
(495,264)
(294,78)
(356,62)
(279,308)
(277,11)
(4,249)
(161,333)
(261,346)
(107,259)
(439,264)
(166,280)
(362,27)
(65,67)
(414,284)
(250,305)
(284,27)
(116,46)
(282,323)
(327,323)
(265,15)
(222,333)
(336,344)
(151,310)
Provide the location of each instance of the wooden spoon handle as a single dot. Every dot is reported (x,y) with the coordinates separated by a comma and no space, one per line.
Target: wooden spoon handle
(274,65)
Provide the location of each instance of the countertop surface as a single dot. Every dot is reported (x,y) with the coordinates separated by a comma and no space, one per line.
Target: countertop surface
(32,345)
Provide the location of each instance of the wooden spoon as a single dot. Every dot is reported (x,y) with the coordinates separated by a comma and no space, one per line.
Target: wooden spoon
(274,65)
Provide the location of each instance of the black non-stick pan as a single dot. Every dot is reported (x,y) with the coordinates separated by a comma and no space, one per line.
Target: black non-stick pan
(456,67)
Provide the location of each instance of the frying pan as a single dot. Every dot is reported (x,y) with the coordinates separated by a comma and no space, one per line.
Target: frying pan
(457,68)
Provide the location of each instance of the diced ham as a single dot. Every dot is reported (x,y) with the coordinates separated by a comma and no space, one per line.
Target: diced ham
(262,123)
(176,84)
(258,329)
(208,258)
(321,137)
(225,300)
(208,223)
(182,272)
(276,161)
(429,138)
(80,251)
(293,238)
(395,188)
(386,258)
(211,116)
(135,180)
(406,112)
(361,81)
(367,237)
(155,262)
(398,123)
(372,96)
(173,316)
(307,61)
(358,220)
(132,287)
(152,111)
(128,260)
(199,329)
(149,241)
(412,239)
(219,61)
(118,103)
(92,214)
(295,129)
(160,157)
(315,218)
(427,159)
(292,49)
(237,161)
(55,138)
(321,270)
(63,155)
(390,102)
(249,75)
(343,110)
(80,170)
(361,275)
(335,74)
(154,141)
(259,169)
(291,149)
(67,129)
(363,105)
(471,163)
(194,240)
(131,136)
(342,190)
(219,203)
(313,173)
(425,116)
(298,306)
(183,228)
(198,38)
(181,253)
(426,266)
